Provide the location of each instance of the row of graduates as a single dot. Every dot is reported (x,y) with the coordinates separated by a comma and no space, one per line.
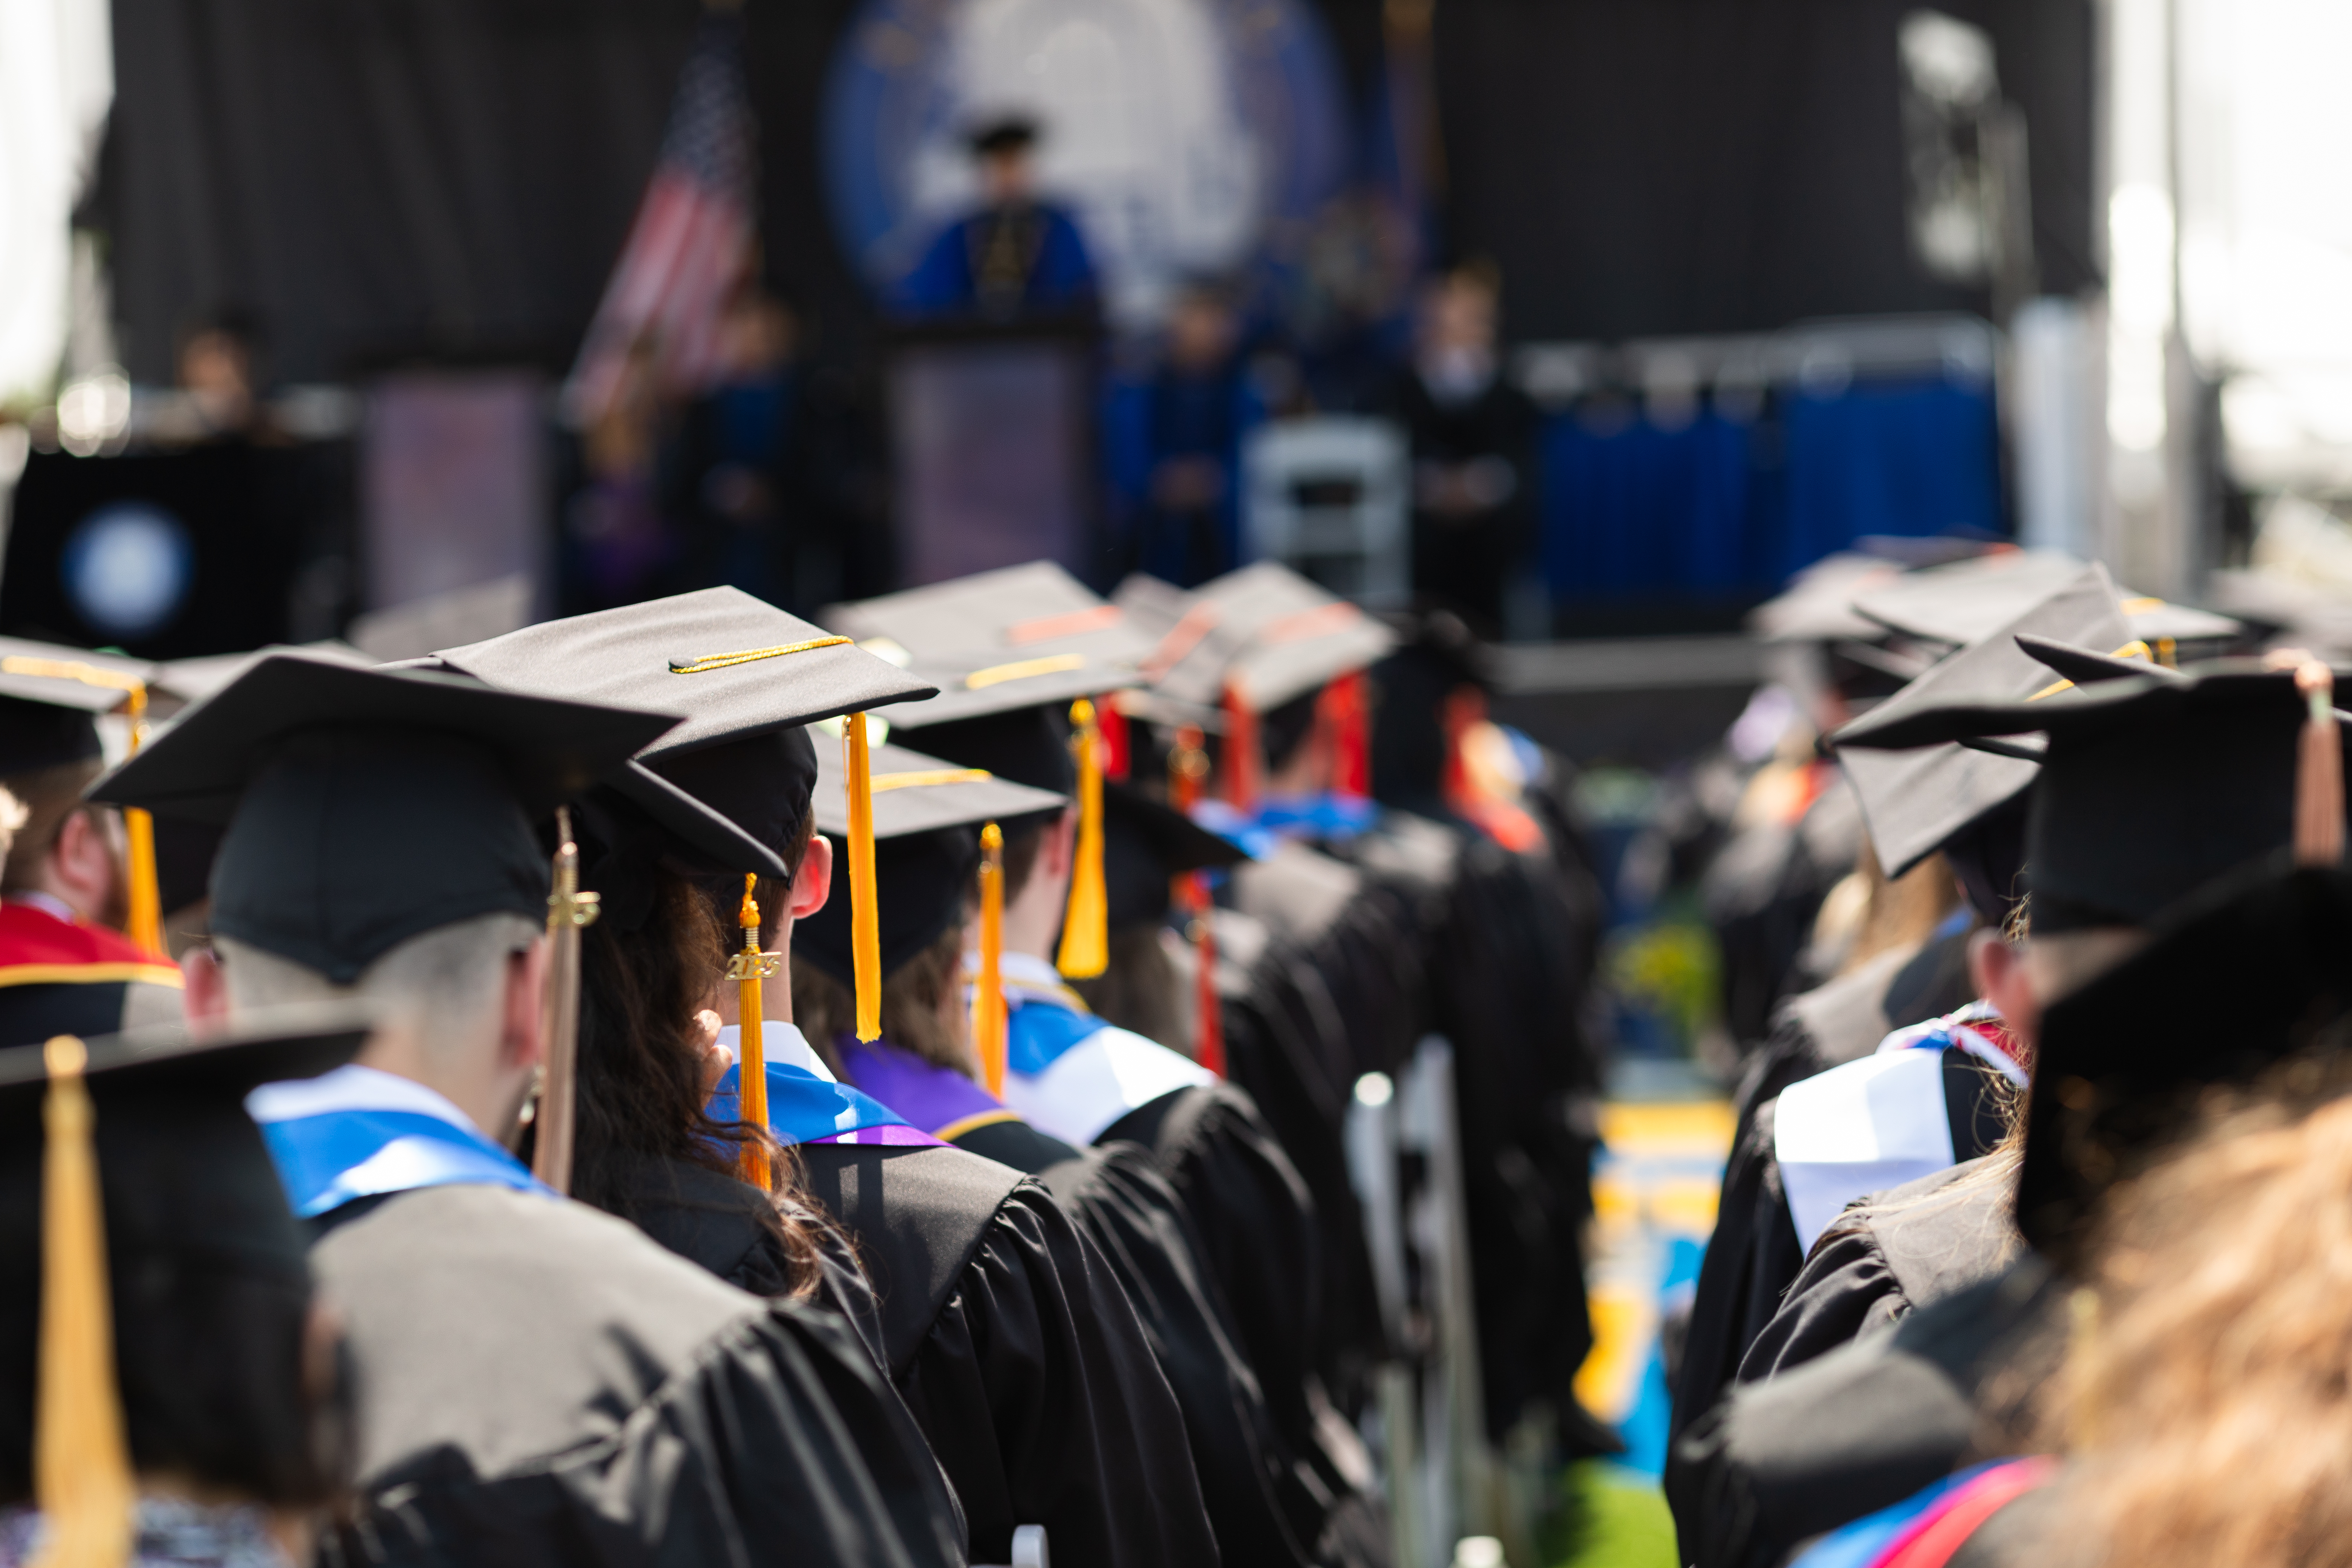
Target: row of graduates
(1953,1157)
(851,1268)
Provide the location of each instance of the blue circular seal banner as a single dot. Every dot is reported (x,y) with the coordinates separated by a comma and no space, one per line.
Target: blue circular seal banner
(1185,136)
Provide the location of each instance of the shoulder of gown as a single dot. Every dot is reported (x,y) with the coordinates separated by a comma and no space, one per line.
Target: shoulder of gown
(541,1384)
(1039,1391)
(1779,1462)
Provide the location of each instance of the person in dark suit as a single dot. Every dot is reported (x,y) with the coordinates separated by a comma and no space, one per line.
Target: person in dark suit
(1017,256)
(1473,435)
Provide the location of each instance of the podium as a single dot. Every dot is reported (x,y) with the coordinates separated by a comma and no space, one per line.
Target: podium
(992,446)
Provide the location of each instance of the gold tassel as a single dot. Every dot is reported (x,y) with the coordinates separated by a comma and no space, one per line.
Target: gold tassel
(1085,922)
(81,1463)
(569,913)
(748,969)
(865,914)
(2319,773)
(145,922)
(988,1020)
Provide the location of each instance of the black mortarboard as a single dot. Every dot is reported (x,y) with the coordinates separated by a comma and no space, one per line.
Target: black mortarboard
(1817,604)
(367,806)
(1265,629)
(1036,611)
(2254,968)
(198,1247)
(1027,745)
(1943,604)
(2151,787)
(746,675)
(1146,844)
(928,813)
(50,698)
(1002,134)
(2089,665)
(1915,801)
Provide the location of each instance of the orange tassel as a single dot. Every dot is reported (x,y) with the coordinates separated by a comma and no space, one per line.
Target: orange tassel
(864,912)
(81,1462)
(2319,773)
(988,1020)
(143,922)
(749,967)
(1085,922)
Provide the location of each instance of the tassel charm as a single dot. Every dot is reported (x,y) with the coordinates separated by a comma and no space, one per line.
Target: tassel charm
(988,1019)
(2319,772)
(748,969)
(1085,922)
(865,913)
(81,1461)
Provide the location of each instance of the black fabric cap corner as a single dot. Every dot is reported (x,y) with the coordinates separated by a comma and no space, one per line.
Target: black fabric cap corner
(925,882)
(1146,844)
(2254,967)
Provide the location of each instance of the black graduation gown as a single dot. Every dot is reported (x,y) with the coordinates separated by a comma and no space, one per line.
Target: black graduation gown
(1913,1245)
(1118,1196)
(1249,1217)
(1014,1345)
(1862,1427)
(1753,1255)
(538,1384)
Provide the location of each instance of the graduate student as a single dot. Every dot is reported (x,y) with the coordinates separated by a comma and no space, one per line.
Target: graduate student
(74,878)
(998,1321)
(2154,790)
(931,826)
(1931,1091)
(538,1381)
(169,1382)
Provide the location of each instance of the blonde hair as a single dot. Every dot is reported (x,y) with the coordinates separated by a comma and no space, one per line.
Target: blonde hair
(2207,1401)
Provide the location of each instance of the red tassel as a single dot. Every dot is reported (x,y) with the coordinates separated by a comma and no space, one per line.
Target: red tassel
(1240,756)
(1112,725)
(1343,715)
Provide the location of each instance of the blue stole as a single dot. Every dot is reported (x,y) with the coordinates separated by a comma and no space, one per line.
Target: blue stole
(1261,831)
(1040,1029)
(804,1109)
(336,1156)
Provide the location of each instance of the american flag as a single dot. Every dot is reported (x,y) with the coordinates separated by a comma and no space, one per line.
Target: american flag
(692,241)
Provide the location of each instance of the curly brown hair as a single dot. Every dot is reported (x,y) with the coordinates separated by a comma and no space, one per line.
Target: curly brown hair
(2207,1403)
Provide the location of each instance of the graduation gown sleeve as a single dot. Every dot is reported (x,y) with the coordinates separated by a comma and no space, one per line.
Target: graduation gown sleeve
(538,1384)
(1039,1392)
(1014,1345)
(1777,1463)
(1900,1250)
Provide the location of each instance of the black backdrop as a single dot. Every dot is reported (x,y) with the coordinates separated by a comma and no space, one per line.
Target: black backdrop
(379,181)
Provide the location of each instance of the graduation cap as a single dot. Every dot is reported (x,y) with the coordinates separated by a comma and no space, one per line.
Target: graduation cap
(933,824)
(1264,632)
(367,806)
(1940,603)
(2151,786)
(1817,604)
(2250,970)
(1002,134)
(133,1188)
(1948,796)
(993,619)
(1148,844)
(736,776)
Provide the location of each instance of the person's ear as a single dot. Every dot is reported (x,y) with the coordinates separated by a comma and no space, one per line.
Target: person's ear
(813,883)
(1997,969)
(205,1000)
(519,1042)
